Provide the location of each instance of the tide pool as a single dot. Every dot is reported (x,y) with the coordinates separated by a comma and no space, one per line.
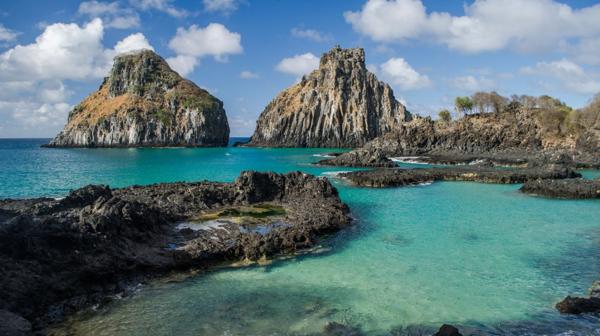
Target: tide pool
(483,257)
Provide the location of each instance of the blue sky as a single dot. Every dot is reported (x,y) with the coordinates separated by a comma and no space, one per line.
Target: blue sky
(54,53)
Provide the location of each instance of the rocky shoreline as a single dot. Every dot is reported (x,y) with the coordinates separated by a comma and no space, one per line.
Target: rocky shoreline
(567,188)
(60,256)
(380,178)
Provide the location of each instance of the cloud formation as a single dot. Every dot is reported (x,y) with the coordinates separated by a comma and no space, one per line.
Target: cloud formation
(487,25)
(471,83)
(298,65)
(400,73)
(7,35)
(571,76)
(164,6)
(193,43)
(311,35)
(248,75)
(112,14)
(224,6)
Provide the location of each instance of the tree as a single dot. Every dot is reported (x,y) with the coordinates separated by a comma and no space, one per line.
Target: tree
(463,105)
(481,101)
(445,115)
(497,102)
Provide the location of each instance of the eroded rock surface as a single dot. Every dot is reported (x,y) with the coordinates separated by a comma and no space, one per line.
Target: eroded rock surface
(567,188)
(61,255)
(144,103)
(509,138)
(341,104)
(379,178)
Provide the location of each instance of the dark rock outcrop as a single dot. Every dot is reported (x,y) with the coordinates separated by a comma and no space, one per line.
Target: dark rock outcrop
(341,104)
(567,188)
(61,255)
(505,139)
(144,103)
(338,329)
(579,305)
(380,178)
(448,330)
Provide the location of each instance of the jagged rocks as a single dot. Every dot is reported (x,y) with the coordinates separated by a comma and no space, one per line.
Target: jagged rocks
(341,104)
(568,188)
(144,103)
(380,178)
(58,256)
(511,138)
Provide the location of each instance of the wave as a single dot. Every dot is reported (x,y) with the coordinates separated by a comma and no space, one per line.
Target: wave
(335,173)
(323,155)
(409,159)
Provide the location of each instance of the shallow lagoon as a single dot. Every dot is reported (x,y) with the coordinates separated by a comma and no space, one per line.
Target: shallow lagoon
(484,257)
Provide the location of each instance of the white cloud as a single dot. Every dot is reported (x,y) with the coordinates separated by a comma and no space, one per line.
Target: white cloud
(571,76)
(164,6)
(298,65)
(111,13)
(193,43)
(248,75)
(399,72)
(33,93)
(311,34)
(7,35)
(183,64)
(132,42)
(65,51)
(472,83)
(225,6)
(587,51)
(487,25)
(62,51)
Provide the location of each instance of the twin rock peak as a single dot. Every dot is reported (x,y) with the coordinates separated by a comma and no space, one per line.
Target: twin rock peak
(143,102)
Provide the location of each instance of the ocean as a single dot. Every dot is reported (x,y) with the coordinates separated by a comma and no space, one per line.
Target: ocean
(481,256)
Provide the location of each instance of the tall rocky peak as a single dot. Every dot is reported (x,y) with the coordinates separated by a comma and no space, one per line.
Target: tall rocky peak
(341,104)
(139,72)
(143,102)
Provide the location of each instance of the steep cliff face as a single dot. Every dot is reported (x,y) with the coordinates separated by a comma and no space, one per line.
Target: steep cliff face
(144,103)
(341,104)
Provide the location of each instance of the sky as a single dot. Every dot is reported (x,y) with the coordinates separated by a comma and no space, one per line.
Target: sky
(244,52)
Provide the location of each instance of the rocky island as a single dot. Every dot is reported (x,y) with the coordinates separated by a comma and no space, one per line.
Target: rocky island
(58,256)
(143,102)
(341,104)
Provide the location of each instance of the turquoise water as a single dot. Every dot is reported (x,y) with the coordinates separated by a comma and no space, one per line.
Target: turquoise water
(484,257)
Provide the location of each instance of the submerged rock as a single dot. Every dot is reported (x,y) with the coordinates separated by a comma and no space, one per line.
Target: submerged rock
(338,329)
(341,104)
(448,330)
(61,255)
(567,188)
(401,177)
(144,103)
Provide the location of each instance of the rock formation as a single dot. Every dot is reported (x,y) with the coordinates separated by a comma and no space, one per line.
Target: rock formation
(509,138)
(58,256)
(581,305)
(380,178)
(341,104)
(568,188)
(144,103)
